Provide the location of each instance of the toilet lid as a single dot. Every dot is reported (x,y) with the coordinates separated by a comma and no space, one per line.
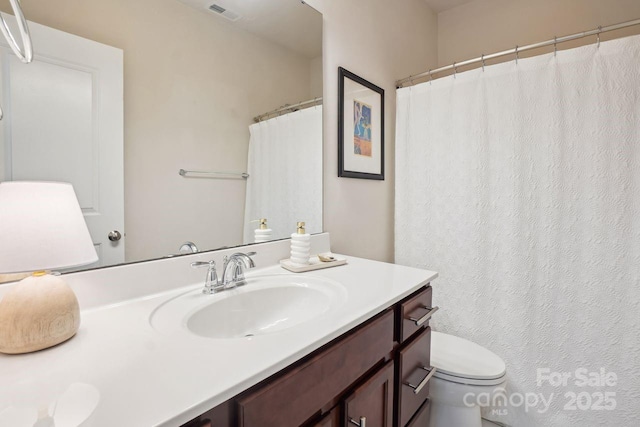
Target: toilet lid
(457,357)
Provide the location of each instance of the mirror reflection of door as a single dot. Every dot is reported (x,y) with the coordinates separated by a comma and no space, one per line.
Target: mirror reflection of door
(64,122)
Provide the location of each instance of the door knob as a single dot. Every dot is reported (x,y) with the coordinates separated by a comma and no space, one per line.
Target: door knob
(115,235)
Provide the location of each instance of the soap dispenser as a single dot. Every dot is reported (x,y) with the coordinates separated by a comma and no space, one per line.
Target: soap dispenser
(300,246)
(262,234)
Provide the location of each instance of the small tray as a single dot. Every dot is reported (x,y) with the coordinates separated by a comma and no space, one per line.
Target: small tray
(314,264)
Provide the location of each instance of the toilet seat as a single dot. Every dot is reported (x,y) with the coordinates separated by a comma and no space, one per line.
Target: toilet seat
(468,381)
(464,362)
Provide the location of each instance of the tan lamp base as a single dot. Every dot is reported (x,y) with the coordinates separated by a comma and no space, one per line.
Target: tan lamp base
(39,312)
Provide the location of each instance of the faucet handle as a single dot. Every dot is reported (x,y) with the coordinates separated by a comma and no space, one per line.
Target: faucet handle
(199,264)
(211,284)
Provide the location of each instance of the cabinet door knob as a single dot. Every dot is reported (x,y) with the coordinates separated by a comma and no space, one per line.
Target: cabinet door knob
(362,423)
(114,235)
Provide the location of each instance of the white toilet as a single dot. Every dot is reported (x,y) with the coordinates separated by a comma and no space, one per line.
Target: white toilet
(465,371)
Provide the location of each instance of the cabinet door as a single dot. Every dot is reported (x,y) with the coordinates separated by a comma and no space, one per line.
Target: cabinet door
(371,404)
(332,419)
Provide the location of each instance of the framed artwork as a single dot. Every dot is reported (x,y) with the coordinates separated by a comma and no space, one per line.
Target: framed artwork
(360,127)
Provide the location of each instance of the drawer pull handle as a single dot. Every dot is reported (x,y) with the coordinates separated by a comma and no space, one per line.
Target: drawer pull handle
(417,388)
(362,423)
(420,321)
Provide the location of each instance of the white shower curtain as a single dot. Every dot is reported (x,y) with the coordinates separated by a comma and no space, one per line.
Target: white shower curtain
(520,184)
(285,174)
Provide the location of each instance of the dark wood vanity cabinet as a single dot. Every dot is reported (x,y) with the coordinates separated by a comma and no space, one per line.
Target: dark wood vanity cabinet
(375,375)
(297,395)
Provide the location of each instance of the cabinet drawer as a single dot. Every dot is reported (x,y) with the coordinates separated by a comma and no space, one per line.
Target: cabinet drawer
(414,314)
(296,396)
(414,372)
(421,419)
(371,404)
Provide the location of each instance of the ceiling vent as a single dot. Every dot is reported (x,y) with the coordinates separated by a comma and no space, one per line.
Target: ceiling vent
(230,15)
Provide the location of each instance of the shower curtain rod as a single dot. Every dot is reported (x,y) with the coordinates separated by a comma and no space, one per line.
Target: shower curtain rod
(553,42)
(287,109)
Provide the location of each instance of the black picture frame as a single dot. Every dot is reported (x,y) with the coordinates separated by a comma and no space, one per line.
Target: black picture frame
(352,163)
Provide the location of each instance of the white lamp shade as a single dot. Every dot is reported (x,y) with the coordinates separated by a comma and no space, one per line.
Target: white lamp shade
(42,228)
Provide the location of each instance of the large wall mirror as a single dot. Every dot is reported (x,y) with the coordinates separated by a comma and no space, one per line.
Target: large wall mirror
(122,95)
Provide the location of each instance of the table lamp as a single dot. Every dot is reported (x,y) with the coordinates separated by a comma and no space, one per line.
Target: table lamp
(41,228)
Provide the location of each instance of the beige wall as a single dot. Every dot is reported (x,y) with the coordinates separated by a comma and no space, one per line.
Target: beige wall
(381,41)
(193,83)
(487,26)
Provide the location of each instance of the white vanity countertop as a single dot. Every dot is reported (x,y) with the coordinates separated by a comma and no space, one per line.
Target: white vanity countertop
(147,378)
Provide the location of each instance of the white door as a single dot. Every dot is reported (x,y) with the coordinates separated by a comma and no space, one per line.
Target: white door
(64,122)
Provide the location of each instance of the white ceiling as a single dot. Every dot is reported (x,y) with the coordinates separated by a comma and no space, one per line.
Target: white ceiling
(289,23)
(442,5)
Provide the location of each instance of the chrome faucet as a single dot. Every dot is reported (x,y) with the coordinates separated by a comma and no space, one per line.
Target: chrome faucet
(232,274)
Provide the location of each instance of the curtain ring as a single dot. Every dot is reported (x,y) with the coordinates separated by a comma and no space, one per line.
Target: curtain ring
(482,59)
(555,46)
(517,55)
(599,31)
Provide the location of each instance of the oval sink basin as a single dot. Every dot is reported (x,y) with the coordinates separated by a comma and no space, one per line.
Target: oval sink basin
(266,304)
